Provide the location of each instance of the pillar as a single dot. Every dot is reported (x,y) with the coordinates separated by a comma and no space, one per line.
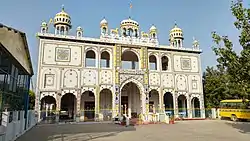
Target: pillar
(58,107)
(78,106)
(189,109)
(97,102)
(202,107)
(175,102)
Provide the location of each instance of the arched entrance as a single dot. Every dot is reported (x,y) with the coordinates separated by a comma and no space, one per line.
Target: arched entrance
(154,101)
(88,106)
(130,100)
(106,104)
(169,103)
(68,107)
(48,107)
(195,102)
(182,106)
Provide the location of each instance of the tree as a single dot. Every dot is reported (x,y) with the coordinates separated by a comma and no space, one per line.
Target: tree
(32,98)
(231,77)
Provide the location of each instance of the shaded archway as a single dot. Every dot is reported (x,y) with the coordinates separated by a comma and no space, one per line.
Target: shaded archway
(130,60)
(68,107)
(164,63)
(152,62)
(90,60)
(105,60)
(154,101)
(182,106)
(195,102)
(168,103)
(88,106)
(130,100)
(48,106)
(106,104)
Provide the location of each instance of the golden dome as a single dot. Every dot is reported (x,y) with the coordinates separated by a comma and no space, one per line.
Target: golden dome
(62,18)
(176,32)
(175,29)
(129,22)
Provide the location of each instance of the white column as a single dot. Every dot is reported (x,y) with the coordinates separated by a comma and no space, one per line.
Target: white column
(202,108)
(175,104)
(129,105)
(189,110)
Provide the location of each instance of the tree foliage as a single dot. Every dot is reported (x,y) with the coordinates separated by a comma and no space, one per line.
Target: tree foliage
(231,78)
(32,98)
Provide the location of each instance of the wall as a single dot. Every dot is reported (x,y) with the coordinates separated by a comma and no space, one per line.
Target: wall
(16,128)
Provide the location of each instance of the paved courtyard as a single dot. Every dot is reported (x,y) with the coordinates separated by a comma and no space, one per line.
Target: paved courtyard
(185,130)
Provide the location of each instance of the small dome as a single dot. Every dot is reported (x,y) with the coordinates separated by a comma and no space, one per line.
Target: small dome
(79,28)
(152,28)
(176,29)
(176,32)
(103,22)
(62,18)
(129,22)
(44,24)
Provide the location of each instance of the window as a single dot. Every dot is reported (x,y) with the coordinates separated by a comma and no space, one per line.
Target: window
(164,63)
(130,60)
(90,60)
(104,30)
(105,60)
(152,62)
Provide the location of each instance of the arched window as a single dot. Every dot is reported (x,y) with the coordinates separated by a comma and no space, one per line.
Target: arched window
(79,34)
(43,30)
(124,32)
(164,63)
(152,62)
(58,30)
(104,30)
(136,33)
(62,30)
(154,35)
(130,32)
(130,60)
(90,60)
(105,60)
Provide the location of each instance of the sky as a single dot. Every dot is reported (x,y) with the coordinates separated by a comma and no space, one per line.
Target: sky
(197,18)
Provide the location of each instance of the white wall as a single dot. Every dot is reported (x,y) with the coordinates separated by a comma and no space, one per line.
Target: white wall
(15,128)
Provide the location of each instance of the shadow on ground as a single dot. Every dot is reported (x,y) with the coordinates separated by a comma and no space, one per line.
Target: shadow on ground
(73,132)
(243,127)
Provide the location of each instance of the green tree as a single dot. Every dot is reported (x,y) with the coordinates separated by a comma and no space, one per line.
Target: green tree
(231,77)
(32,98)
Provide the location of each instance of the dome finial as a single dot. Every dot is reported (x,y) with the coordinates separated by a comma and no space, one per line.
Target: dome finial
(62,7)
(175,23)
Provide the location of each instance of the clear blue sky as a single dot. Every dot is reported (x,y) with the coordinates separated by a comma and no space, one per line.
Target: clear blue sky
(196,17)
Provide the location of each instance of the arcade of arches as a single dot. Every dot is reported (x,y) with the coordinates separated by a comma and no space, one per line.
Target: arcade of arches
(131,104)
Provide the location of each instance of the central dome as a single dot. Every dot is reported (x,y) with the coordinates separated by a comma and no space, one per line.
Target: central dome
(62,18)
(129,22)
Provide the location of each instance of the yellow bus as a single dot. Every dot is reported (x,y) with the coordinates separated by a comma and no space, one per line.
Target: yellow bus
(236,109)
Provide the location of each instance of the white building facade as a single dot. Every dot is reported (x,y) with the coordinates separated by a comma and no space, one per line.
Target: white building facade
(125,71)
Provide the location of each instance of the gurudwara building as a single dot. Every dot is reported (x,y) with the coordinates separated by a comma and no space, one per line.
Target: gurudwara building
(125,71)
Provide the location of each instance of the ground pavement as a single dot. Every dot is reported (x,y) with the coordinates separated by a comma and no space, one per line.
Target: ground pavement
(206,130)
